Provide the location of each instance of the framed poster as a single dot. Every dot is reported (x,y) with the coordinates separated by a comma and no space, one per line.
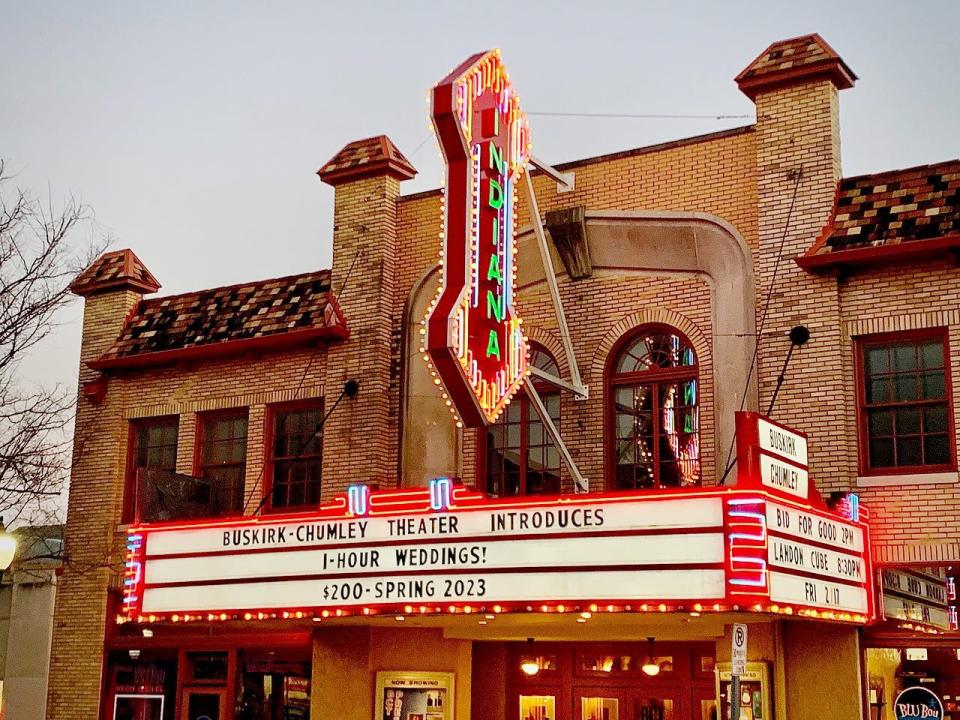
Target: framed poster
(414,695)
(754,692)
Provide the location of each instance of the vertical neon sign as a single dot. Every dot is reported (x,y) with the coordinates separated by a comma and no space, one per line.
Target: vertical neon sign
(474,340)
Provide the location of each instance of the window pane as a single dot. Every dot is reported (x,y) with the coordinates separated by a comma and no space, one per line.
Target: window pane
(936,450)
(878,390)
(935,419)
(881,453)
(536,433)
(908,421)
(905,387)
(880,422)
(908,451)
(877,360)
(655,350)
(931,355)
(904,357)
(933,385)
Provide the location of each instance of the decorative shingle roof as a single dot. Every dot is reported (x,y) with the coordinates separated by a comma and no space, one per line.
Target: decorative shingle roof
(268,312)
(916,209)
(366,158)
(113,271)
(791,61)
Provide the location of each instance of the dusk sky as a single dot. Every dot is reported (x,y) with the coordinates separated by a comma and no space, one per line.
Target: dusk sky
(194,130)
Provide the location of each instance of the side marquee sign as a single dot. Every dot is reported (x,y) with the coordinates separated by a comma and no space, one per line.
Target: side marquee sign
(473,336)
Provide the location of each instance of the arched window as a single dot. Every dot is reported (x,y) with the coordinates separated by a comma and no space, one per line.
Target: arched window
(520,457)
(652,410)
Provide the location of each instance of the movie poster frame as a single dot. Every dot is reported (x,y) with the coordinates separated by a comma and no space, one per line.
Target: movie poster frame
(402,679)
(755,672)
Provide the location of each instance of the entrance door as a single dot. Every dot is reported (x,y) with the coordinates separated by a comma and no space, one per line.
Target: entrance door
(204,703)
(704,704)
(656,703)
(600,703)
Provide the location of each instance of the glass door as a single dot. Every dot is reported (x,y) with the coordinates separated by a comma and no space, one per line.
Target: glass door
(204,703)
(655,704)
(599,703)
(704,704)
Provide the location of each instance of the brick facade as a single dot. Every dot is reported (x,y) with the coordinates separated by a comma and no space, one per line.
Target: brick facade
(773,183)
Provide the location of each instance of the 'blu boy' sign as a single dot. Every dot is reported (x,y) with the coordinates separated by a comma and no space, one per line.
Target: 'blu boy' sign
(918,703)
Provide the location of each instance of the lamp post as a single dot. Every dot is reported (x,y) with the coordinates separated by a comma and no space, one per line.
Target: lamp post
(8,548)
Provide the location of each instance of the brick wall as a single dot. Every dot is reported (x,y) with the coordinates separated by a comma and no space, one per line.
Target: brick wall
(798,132)
(910,523)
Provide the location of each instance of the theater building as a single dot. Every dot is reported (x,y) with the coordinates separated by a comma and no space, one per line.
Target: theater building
(694,393)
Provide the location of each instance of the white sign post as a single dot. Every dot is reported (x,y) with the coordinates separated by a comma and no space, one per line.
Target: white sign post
(738,662)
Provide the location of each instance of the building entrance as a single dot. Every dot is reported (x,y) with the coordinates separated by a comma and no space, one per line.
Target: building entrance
(610,681)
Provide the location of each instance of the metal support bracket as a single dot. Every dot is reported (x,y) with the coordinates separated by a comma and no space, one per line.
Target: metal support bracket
(565,181)
(575,380)
(561,383)
(579,481)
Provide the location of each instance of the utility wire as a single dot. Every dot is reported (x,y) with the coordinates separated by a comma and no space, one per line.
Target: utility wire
(350,389)
(296,394)
(640,116)
(797,175)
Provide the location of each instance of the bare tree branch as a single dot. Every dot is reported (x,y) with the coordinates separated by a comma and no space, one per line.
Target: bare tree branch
(38,259)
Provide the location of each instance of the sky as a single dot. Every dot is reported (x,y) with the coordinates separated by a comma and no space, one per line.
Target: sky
(194,130)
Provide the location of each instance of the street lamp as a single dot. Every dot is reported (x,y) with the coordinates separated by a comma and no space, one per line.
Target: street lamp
(8,547)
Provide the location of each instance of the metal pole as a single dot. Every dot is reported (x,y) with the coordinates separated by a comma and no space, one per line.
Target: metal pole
(575,378)
(579,480)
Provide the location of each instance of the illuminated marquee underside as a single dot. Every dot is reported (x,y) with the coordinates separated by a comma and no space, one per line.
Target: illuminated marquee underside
(403,551)
(473,336)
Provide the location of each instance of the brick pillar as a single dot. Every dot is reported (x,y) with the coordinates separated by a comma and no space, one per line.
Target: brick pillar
(366,176)
(798,136)
(112,287)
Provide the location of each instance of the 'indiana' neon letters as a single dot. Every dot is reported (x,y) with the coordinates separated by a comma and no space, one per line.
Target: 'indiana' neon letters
(474,339)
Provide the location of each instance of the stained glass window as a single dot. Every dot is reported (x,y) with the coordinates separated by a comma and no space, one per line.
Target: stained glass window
(654,389)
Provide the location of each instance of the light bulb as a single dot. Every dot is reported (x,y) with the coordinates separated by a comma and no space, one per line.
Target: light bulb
(651,668)
(530,667)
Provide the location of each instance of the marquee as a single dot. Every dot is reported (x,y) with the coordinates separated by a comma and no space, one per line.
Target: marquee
(449,550)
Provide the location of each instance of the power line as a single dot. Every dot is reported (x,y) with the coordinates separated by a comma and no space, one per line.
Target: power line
(641,116)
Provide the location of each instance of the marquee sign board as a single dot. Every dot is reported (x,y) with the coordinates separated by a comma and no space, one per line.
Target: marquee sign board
(473,336)
(916,595)
(773,454)
(632,551)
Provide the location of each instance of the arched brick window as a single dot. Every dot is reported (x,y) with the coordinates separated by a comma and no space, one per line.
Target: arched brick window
(653,422)
(520,458)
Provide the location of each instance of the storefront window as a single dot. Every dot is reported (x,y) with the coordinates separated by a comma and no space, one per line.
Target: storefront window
(538,707)
(521,459)
(654,421)
(142,687)
(272,687)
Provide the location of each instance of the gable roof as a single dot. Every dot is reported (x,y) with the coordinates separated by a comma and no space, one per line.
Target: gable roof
(366,158)
(281,312)
(896,212)
(114,271)
(790,61)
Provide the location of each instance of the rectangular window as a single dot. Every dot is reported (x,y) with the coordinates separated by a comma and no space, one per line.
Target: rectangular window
(296,456)
(905,411)
(153,449)
(222,460)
